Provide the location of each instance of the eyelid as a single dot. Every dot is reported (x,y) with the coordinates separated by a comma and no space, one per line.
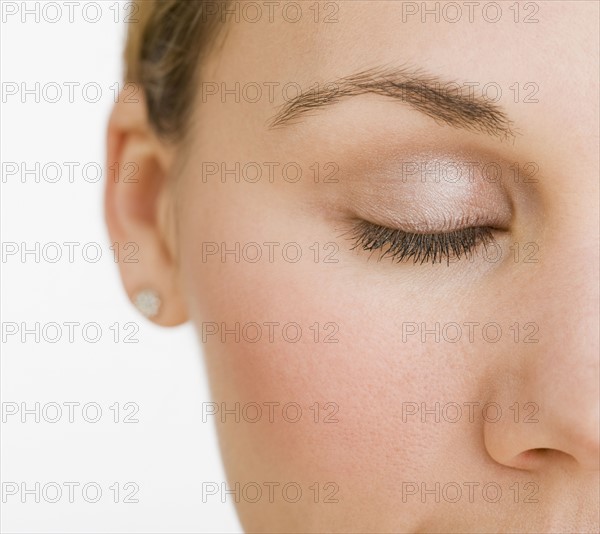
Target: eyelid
(418,210)
(383,190)
(435,222)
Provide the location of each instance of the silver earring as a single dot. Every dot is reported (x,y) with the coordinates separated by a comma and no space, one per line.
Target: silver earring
(147,302)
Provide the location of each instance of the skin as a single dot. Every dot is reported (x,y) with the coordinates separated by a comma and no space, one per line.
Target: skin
(371,373)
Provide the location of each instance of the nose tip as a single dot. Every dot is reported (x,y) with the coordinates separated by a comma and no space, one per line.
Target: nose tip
(588,453)
(559,436)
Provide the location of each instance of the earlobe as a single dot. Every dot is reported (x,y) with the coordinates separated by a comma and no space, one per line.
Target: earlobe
(138,215)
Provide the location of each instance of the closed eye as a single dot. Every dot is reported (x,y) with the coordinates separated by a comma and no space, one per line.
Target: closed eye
(421,248)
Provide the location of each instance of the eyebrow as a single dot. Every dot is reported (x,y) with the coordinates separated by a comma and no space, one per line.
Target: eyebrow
(424,92)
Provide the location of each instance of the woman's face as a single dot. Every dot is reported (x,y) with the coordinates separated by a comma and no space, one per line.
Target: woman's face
(437,393)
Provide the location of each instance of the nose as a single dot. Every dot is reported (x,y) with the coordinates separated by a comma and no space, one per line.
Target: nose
(551,388)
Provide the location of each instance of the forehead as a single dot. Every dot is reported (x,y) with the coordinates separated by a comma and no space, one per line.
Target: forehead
(314,37)
(538,60)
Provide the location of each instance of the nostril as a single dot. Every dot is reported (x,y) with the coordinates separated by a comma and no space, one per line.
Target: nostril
(533,459)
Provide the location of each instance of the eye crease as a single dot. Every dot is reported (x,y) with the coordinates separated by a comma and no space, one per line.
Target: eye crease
(421,248)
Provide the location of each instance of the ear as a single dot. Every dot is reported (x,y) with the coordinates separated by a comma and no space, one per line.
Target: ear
(139,210)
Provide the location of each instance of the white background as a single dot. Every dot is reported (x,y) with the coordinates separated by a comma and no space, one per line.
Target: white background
(170,451)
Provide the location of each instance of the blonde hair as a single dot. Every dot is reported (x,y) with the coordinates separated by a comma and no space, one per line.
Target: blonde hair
(164,48)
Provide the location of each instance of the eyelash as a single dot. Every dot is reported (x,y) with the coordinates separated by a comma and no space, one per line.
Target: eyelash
(403,246)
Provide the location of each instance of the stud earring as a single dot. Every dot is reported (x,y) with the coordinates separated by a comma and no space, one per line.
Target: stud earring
(147,302)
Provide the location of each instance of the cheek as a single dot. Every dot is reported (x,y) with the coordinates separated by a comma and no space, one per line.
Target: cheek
(316,337)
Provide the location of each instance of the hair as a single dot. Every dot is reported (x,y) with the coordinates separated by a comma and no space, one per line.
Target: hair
(166,42)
